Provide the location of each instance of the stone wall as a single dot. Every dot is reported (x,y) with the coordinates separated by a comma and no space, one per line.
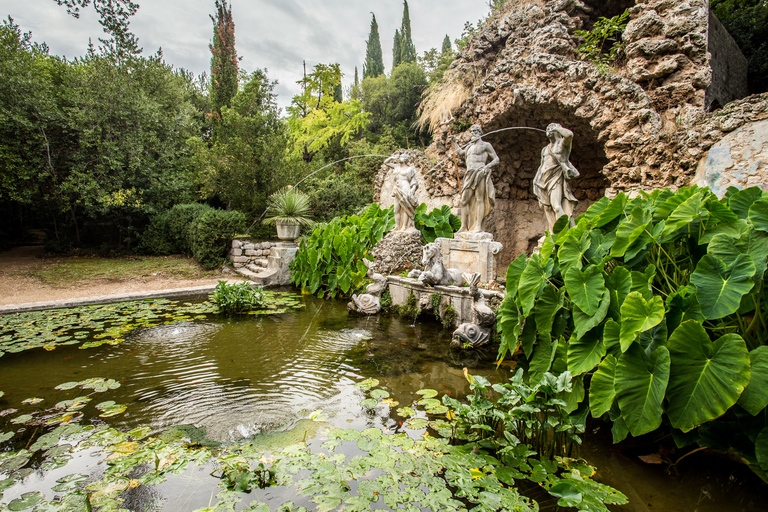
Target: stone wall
(638,126)
(247,252)
(729,67)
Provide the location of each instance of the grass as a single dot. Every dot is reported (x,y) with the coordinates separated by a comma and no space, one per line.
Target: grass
(61,272)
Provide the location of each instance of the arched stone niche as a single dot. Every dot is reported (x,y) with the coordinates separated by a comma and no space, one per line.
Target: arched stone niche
(517,221)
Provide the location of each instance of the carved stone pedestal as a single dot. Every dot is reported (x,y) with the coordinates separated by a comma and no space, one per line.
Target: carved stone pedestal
(471,252)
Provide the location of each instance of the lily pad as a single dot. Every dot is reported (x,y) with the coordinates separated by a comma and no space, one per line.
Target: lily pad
(26,501)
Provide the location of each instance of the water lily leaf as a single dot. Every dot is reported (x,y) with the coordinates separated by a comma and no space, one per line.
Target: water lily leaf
(406,412)
(427,393)
(18,420)
(369,403)
(641,382)
(720,285)
(568,494)
(585,288)
(417,423)
(706,378)
(32,401)
(6,436)
(110,408)
(755,396)
(26,501)
(637,316)
(67,385)
(367,384)
(378,394)
(602,391)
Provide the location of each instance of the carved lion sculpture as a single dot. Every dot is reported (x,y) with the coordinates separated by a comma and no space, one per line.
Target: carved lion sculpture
(434,272)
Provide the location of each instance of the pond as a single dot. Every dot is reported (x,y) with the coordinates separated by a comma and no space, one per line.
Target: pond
(267,377)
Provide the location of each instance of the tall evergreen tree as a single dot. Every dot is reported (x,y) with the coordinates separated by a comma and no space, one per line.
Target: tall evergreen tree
(407,49)
(354,93)
(338,95)
(396,50)
(224,61)
(447,48)
(374,61)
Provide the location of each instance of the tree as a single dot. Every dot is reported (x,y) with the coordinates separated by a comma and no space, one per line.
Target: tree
(355,92)
(374,60)
(114,16)
(224,62)
(447,48)
(396,50)
(747,22)
(407,49)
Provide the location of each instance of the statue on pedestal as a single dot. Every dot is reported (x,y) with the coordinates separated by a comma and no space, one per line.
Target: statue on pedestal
(550,185)
(477,193)
(404,192)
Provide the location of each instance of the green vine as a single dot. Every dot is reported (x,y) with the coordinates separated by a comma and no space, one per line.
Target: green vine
(410,310)
(603,45)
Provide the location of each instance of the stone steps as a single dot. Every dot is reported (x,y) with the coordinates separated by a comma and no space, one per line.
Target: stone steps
(265,277)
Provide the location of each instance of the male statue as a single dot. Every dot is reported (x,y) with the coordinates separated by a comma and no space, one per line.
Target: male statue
(477,193)
(550,185)
(404,192)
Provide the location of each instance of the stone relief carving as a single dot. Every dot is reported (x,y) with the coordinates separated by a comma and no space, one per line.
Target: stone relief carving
(550,185)
(478,196)
(477,333)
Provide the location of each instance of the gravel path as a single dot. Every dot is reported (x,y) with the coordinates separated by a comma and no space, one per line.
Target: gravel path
(19,286)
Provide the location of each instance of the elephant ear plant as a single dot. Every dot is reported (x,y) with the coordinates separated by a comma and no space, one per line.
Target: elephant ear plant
(656,305)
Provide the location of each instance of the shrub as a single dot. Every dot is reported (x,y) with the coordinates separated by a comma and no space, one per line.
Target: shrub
(439,223)
(210,234)
(237,297)
(168,232)
(656,306)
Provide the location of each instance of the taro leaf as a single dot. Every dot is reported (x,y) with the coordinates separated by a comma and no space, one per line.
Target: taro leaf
(569,495)
(629,231)
(514,272)
(637,316)
(600,246)
(761,449)
(671,201)
(758,214)
(612,337)
(547,305)
(585,353)
(753,243)
(541,362)
(619,284)
(596,208)
(641,382)
(574,247)
(26,500)
(509,325)
(583,322)
(682,305)
(741,201)
(643,281)
(585,288)
(706,378)
(533,278)
(732,229)
(684,215)
(602,391)
(719,211)
(619,429)
(611,211)
(530,334)
(755,396)
(720,285)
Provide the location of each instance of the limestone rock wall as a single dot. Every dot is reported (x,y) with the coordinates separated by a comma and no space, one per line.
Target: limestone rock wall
(639,126)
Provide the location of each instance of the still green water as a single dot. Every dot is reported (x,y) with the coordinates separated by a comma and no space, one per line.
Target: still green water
(264,375)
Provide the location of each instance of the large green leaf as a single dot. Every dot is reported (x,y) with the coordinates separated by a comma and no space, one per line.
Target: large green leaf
(755,397)
(637,316)
(509,321)
(720,285)
(641,382)
(742,201)
(583,322)
(761,449)
(758,214)
(585,353)
(619,284)
(611,211)
(670,202)
(684,215)
(531,281)
(574,247)
(514,271)
(643,281)
(541,362)
(548,304)
(682,305)
(602,391)
(630,230)
(585,288)
(706,378)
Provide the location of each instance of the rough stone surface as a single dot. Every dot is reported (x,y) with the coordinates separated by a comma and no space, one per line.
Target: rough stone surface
(739,160)
(639,126)
(397,252)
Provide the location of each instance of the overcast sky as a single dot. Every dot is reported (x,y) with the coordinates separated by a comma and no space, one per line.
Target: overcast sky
(277,35)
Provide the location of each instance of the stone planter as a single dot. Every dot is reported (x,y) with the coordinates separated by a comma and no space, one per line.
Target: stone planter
(288,231)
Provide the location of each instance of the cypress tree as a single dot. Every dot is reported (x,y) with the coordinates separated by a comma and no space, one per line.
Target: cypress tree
(447,48)
(396,50)
(223,60)
(338,96)
(354,93)
(374,61)
(407,49)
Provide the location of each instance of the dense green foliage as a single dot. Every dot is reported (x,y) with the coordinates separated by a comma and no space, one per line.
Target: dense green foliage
(439,223)
(374,59)
(747,22)
(656,305)
(330,261)
(194,229)
(289,205)
(407,50)
(237,297)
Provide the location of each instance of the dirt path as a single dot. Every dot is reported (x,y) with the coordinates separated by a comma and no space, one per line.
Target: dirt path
(19,285)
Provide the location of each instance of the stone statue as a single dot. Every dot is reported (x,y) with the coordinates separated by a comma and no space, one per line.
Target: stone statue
(550,185)
(404,193)
(434,272)
(478,332)
(369,303)
(477,193)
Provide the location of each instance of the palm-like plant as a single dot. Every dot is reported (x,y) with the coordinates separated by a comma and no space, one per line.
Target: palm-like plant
(288,206)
